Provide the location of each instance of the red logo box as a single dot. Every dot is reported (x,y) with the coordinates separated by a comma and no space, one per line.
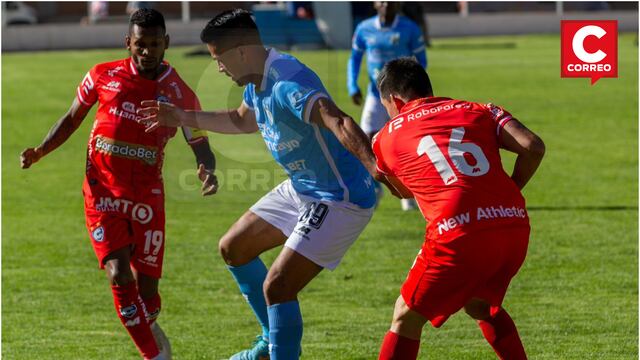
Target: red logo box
(589,48)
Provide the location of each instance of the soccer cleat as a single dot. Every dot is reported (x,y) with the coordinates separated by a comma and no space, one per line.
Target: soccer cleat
(259,351)
(408,204)
(162,341)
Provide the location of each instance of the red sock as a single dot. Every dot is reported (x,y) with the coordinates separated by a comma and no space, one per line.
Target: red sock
(397,347)
(153,307)
(131,312)
(502,335)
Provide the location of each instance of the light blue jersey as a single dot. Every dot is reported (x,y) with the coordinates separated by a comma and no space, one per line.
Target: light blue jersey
(383,44)
(318,165)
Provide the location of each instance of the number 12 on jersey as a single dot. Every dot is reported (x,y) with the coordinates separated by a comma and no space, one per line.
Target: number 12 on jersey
(456,151)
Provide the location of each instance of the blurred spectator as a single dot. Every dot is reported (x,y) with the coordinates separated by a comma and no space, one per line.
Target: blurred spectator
(300,9)
(98,10)
(415,12)
(133,6)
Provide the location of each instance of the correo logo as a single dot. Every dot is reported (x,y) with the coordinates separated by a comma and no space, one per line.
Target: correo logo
(589,48)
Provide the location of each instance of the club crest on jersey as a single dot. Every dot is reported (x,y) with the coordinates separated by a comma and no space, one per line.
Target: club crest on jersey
(163,98)
(98,234)
(129,311)
(395,38)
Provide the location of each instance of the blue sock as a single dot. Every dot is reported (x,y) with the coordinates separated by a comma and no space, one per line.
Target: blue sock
(250,278)
(285,324)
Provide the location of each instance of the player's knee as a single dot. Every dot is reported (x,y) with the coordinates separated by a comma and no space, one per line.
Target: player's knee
(231,251)
(277,289)
(477,309)
(119,275)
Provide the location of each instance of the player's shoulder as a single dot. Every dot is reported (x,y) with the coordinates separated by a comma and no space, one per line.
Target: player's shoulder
(115,65)
(404,21)
(368,23)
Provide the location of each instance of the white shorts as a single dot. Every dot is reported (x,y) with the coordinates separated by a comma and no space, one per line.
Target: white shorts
(374,115)
(321,231)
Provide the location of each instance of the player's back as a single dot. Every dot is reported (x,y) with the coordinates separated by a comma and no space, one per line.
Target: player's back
(447,153)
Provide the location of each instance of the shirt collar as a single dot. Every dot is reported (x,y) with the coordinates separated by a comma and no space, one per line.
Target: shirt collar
(421,101)
(273,54)
(132,69)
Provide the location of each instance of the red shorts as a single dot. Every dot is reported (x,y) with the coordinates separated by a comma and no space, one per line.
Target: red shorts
(445,276)
(115,222)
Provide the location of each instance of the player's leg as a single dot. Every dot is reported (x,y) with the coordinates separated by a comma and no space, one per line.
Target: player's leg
(128,302)
(323,232)
(261,228)
(402,341)
(373,118)
(497,326)
(498,329)
(148,288)
(147,260)
(288,275)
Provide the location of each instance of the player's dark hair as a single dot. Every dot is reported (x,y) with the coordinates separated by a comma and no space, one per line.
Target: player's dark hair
(147,18)
(405,77)
(231,28)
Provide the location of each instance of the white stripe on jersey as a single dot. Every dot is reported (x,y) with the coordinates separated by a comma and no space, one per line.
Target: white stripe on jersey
(309,105)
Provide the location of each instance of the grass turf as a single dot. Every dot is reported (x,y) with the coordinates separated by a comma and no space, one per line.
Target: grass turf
(576,297)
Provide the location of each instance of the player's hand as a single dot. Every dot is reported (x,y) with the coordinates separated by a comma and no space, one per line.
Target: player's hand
(357,98)
(157,113)
(209,181)
(29,157)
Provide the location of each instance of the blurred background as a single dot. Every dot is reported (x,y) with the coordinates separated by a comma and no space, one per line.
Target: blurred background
(290,25)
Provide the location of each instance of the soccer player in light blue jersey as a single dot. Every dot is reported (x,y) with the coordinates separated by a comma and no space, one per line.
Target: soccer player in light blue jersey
(318,212)
(384,37)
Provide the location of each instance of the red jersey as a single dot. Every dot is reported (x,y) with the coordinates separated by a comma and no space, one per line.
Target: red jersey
(121,156)
(447,153)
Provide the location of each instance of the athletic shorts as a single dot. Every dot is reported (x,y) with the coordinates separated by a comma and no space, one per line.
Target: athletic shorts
(445,276)
(374,115)
(321,231)
(114,223)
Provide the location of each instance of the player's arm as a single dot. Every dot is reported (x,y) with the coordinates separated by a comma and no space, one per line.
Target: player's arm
(327,114)
(353,68)
(516,138)
(235,121)
(205,159)
(418,47)
(58,134)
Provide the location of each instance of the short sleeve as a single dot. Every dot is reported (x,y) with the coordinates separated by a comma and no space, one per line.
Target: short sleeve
(247,96)
(297,98)
(86,92)
(357,41)
(377,151)
(499,116)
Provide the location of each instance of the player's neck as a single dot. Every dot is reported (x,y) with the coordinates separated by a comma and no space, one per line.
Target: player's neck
(153,74)
(387,20)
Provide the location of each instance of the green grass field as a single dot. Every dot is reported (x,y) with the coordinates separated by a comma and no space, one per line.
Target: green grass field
(575,298)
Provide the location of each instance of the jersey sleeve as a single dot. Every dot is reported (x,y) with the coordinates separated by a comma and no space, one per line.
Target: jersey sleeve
(86,92)
(499,116)
(247,97)
(298,98)
(355,60)
(377,151)
(417,45)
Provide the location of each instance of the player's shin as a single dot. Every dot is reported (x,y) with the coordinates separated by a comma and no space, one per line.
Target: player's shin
(501,333)
(131,312)
(250,278)
(398,347)
(285,324)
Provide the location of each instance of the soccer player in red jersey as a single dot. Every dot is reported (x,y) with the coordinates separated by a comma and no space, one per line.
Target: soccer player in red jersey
(123,189)
(445,153)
